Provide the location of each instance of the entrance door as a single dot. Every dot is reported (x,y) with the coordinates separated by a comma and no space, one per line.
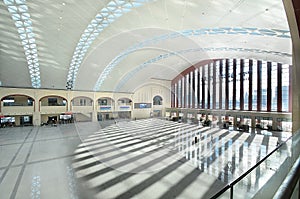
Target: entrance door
(52,119)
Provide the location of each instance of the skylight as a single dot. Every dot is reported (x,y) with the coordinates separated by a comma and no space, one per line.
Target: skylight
(104,18)
(19,13)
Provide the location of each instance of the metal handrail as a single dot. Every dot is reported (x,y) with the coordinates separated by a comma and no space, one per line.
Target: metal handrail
(287,188)
(231,185)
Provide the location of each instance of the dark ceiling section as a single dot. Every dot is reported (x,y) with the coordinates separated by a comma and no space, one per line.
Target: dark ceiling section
(296,4)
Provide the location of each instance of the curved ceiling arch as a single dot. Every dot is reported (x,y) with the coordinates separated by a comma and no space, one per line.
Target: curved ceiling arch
(151,84)
(20,15)
(106,16)
(222,28)
(249,31)
(132,73)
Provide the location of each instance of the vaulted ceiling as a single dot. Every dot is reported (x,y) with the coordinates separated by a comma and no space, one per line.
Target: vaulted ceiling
(120,44)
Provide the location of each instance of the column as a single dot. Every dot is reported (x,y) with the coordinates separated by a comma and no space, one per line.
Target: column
(196,89)
(172,95)
(214,85)
(259,65)
(274,123)
(199,89)
(269,86)
(290,88)
(227,84)
(235,121)
(192,85)
(36,116)
(203,87)
(178,100)
(234,85)
(253,121)
(183,92)
(94,116)
(187,91)
(242,63)
(220,84)
(208,86)
(250,84)
(279,87)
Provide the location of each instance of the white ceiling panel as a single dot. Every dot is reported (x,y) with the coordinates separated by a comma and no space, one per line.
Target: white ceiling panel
(121,44)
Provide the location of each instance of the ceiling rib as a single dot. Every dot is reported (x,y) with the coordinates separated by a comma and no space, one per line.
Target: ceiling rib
(198,32)
(19,13)
(107,15)
(134,72)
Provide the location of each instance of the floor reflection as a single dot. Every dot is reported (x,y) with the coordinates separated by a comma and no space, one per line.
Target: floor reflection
(131,158)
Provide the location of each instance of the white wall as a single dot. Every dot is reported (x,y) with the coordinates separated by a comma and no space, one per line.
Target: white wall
(144,94)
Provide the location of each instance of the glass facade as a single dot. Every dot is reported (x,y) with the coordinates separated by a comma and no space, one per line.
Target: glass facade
(222,86)
(274,86)
(235,84)
(264,86)
(230,83)
(285,87)
(246,88)
(216,79)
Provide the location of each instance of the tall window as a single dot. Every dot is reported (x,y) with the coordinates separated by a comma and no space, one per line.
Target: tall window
(254,85)
(274,89)
(200,87)
(210,76)
(182,92)
(230,83)
(187,94)
(175,95)
(246,84)
(196,87)
(264,85)
(82,102)
(179,94)
(205,87)
(285,87)
(217,65)
(191,89)
(238,84)
(157,100)
(223,84)
(205,77)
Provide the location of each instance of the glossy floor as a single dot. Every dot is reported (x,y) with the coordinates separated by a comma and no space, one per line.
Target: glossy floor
(161,159)
(130,159)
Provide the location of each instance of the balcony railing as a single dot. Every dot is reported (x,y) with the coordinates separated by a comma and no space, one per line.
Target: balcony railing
(17,110)
(53,109)
(271,171)
(82,109)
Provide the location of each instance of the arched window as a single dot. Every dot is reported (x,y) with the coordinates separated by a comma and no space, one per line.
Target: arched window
(157,100)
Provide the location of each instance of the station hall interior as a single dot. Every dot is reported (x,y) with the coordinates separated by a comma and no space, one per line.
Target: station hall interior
(149,99)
